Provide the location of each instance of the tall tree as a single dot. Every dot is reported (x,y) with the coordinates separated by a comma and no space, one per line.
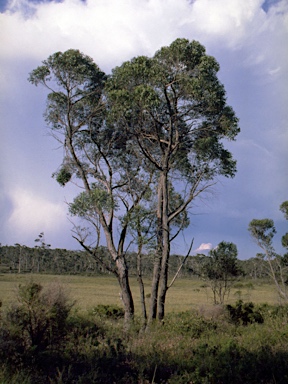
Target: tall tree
(156,126)
(95,155)
(173,108)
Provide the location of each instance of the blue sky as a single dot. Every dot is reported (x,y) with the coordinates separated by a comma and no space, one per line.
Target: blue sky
(248,39)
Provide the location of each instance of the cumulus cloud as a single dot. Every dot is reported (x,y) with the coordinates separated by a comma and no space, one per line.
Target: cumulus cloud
(32,214)
(204,247)
(220,17)
(113,31)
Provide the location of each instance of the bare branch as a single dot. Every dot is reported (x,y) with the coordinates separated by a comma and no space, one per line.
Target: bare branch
(181,265)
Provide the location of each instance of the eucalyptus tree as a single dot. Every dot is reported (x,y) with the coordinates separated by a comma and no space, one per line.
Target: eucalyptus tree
(262,232)
(96,157)
(22,258)
(173,109)
(40,254)
(221,268)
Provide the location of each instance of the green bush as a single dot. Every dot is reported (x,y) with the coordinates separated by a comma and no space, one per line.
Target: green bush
(108,311)
(189,323)
(35,327)
(244,313)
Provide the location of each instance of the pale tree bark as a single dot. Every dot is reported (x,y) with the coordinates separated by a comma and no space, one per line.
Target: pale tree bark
(158,257)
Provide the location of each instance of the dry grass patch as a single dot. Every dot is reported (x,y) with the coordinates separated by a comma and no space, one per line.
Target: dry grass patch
(90,291)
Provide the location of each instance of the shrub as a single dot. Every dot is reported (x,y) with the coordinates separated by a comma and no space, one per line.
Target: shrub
(244,313)
(35,325)
(189,323)
(109,311)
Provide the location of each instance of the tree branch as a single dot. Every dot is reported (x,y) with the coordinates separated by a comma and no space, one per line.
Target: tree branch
(183,262)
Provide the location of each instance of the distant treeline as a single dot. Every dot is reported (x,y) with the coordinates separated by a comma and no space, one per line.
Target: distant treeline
(23,259)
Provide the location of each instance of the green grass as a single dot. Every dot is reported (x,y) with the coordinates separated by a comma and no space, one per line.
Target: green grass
(88,292)
(192,346)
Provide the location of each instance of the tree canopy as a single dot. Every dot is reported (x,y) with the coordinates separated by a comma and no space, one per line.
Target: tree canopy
(148,138)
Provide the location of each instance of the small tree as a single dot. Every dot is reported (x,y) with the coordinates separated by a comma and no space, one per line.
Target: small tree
(40,318)
(21,258)
(220,269)
(263,231)
(41,250)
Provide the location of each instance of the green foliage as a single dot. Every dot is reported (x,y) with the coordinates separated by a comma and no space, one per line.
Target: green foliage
(189,324)
(86,204)
(263,231)
(222,262)
(71,70)
(176,88)
(284,239)
(187,347)
(221,268)
(39,320)
(127,139)
(112,312)
(42,341)
(284,209)
(63,176)
(244,313)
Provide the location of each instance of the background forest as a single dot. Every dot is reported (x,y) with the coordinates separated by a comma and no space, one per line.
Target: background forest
(23,259)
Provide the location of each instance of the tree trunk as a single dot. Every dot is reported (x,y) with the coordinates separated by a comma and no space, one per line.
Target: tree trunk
(166,249)
(139,277)
(163,289)
(154,288)
(20,258)
(126,294)
(157,261)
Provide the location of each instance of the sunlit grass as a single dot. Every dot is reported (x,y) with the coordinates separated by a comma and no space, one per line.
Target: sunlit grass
(88,292)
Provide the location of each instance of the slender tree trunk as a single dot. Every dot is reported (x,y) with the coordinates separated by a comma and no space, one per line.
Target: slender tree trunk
(155,287)
(139,275)
(142,299)
(281,291)
(126,294)
(20,258)
(163,288)
(157,261)
(165,251)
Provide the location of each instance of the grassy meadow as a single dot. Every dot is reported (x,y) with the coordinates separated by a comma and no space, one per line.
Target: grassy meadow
(89,291)
(44,341)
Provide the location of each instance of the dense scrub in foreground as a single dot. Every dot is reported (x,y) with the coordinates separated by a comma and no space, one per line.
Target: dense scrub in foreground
(44,339)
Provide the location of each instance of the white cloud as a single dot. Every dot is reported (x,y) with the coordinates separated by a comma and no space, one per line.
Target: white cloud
(204,247)
(222,17)
(114,31)
(32,214)
(248,42)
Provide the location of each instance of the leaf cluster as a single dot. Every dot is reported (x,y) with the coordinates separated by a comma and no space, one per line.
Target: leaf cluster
(86,204)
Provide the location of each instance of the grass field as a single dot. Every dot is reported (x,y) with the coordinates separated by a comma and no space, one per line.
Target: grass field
(42,342)
(91,291)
